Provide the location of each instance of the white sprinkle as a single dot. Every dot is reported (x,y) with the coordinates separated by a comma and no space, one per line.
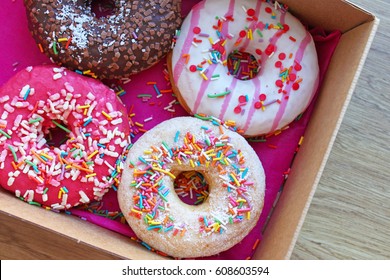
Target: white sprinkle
(10,181)
(64,199)
(57,76)
(69,87)
(84,197)
(3,99)
(54,97)
(9,108)
(58,70)
(109,107)
(24,91)
(148,119)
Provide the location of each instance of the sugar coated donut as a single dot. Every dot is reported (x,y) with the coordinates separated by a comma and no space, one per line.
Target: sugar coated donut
(246,61)
(154,210)
(133,38)
(62,137)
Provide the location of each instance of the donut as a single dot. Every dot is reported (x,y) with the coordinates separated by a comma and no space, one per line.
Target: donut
(133,38)
(154,210)
(63,137)
(246,61)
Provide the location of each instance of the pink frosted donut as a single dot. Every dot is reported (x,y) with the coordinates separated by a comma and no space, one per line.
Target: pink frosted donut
(246,61)
(40,103)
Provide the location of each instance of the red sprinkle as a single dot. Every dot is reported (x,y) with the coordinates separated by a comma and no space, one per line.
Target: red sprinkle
(278,64)
(270,49)
(268,10)
(262,97)
(251,12)
(282,56)
(292,39)
(242,33)
(237,110)
(279,83)
(298,67)
(242,99)
(196,30)
(193,68)
(292,77)
(295,86)
(258,105)
(258,51)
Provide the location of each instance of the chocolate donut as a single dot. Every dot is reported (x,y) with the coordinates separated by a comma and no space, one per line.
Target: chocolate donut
(133,38)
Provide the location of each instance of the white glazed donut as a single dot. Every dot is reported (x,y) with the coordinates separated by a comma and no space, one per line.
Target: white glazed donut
(287,67)
(160,218)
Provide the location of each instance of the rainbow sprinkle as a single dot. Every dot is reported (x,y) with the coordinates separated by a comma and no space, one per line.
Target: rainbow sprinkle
(151,198)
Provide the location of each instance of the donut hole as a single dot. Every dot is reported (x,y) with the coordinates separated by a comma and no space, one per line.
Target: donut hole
(57,134)
(242,65)
(103,8)
(191,187)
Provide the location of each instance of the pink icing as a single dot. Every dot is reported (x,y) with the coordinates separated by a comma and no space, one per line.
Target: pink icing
(298,58)
(195,16)
(226,102)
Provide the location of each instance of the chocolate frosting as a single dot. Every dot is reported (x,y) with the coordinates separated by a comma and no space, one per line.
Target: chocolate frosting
(135,37)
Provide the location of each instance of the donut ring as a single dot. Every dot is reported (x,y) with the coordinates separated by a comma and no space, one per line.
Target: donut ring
(61,175)
(207,64)
(154,211)
(135,37)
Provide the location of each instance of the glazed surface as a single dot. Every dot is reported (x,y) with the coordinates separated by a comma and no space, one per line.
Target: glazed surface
(156,213)
(40,165)
(287,76)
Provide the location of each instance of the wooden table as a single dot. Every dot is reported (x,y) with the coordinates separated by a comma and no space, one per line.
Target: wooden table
(349,217)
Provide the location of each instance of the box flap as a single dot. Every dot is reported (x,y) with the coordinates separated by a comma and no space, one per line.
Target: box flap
(330,14)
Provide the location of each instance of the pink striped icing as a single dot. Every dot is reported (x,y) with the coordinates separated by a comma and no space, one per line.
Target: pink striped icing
(195,17)
(264,57)
(204,85)
(298,58)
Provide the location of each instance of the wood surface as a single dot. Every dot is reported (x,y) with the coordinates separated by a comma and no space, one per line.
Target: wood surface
(349,217)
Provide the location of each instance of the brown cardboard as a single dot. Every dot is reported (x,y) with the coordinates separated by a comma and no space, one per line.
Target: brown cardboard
(31,232)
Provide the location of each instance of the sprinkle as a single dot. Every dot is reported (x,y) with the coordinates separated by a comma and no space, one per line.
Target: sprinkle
(93,154)
(90,175)
(55,48)
(165,172)
(5,134)
(177,136)
(12,149)
(219,94)
(68,43)
(107,116)
(148,119)
(61,126)
(40,48)
(204,76)
(57,76)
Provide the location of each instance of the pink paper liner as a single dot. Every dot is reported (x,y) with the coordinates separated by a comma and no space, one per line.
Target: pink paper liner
(18,50)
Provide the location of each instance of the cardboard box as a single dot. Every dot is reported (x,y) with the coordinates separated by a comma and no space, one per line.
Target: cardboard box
(30,232)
